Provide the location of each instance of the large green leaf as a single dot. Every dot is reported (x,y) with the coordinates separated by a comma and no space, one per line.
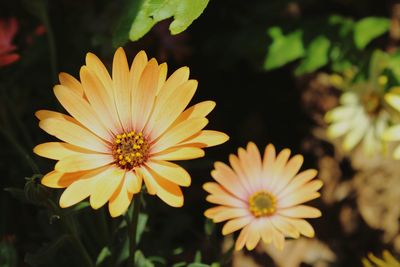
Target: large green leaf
(317,55)
(150,12)
(284,48)
(368,29)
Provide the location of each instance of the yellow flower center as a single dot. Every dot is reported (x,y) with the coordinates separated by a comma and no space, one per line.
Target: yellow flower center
(130,150)
(262,204)
(372,103)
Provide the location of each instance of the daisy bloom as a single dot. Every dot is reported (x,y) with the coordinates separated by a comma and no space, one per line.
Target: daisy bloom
(392,134)
(8,29)
(387,260)
(361,118)
(124,129)
(263,197)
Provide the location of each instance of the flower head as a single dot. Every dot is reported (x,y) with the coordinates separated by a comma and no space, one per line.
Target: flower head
(263,197)
(388,260)
(8,29)
(361,118)
(392,134)
(123,130)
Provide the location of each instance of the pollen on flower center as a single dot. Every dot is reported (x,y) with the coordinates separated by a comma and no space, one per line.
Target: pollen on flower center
(130,150)
(262,204)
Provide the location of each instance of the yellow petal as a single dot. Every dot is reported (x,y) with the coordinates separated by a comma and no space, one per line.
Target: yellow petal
(177,78)
(338,129)
(48,114)
(290,170)
(81,111)
(206,138)
(148,179)
(303,227)
(82,162)
(236,224)
(101,99)
(266,230)
(253,237)
(235,163)
(392,133)
(72,83)
(283,226)
(170,171)
(179,133)
(169,192)
(304,194)
(301,211)
(120,200)
(221,196)
(201,109)
(278,239)
(133,182)
(166,111)
(137,67)
(230,213)
(100,71)
(298,181)
(277,170)
(163,70)
(72,133)
(228,179)
(105,185)
(179,153)
(57,179)
(122,92)
(211,212)
(76,192)
(393,100)
(144,95)
(242,238)
(59,150)
(396,152)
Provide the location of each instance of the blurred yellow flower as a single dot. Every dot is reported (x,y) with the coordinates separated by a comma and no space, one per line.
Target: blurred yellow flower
(392,134)
(124,130)
(387,261)
(263,197)
(361,118)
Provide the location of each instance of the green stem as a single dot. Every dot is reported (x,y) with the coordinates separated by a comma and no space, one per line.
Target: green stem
(132,229)
(21,151)
(70,226)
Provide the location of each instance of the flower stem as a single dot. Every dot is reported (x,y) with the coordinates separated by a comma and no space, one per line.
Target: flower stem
(132,229)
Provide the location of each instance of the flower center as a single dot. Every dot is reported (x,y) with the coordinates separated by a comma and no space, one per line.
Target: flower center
(262,204)
(372,103)
(130,150)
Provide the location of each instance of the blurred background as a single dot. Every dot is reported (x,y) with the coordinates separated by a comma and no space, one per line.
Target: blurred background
(274,68)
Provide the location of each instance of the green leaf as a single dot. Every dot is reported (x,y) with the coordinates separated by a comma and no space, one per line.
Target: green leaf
(179,264)
(8,255)
(141,261)
(317,55)
(196,264)
(378,63)
(153,11)
(124,24)
(103,255)
(141,226)
(197,257)
(284,48)
(368,29)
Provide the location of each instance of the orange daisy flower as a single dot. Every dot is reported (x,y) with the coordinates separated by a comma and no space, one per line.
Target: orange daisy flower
(124,130)
(263,197)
